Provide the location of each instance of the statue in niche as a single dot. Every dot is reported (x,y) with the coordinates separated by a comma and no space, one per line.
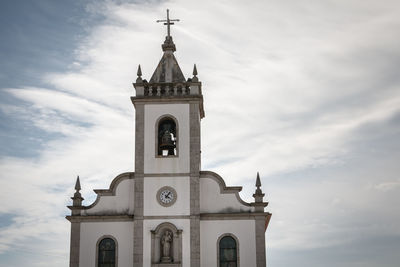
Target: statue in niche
(166,242)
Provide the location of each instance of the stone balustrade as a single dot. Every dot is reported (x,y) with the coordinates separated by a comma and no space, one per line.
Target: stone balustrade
(167,89)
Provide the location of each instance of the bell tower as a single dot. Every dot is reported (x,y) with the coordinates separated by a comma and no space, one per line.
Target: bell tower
(167,154)
(168,113)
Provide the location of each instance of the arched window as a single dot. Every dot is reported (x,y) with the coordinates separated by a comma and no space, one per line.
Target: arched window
(228,252)
(166,137)
(106,253)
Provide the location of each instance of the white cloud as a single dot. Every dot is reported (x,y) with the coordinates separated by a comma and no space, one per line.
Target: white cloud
(388,186)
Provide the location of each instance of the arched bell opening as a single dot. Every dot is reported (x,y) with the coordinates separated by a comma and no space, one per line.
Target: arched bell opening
(167,137)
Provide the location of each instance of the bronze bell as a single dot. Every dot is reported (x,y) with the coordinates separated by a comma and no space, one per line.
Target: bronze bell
(167,143)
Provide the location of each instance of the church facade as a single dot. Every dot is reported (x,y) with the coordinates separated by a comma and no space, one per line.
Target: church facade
(168,213)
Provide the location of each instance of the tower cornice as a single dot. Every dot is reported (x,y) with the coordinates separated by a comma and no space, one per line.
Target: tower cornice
(170,99)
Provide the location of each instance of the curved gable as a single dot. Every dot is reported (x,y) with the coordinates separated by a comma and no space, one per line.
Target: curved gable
(216,197)
(117,200)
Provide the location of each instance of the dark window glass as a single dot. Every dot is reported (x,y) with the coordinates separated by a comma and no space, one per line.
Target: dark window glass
(227,252)
(106,253)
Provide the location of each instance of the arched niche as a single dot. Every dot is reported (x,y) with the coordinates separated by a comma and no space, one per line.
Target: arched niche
(157,256)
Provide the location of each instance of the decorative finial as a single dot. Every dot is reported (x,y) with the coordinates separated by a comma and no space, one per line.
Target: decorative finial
(258,195)
(258,181)
(77,184)
(194,70)
(139,74)
(77,198)
(168,43)
(195,79)
(168,22)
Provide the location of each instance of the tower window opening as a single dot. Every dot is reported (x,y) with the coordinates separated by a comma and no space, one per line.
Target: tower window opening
(167,137)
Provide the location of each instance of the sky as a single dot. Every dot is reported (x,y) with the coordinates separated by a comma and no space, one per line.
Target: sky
(307,93)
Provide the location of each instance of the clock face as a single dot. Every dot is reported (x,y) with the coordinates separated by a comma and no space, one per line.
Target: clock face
(166,196)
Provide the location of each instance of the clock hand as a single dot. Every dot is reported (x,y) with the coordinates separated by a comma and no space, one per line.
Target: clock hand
(169,193)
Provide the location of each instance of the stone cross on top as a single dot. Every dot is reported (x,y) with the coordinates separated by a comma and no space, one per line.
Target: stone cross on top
(168,22)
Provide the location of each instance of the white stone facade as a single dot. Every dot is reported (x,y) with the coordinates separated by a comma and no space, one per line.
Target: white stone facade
(143,230)
(214,200)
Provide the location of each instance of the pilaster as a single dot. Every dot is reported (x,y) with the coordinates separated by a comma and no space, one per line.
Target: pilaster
(75,244)
(139,188)
(260,241)
(194,185)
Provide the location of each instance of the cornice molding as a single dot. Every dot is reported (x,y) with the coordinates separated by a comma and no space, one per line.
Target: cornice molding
(100,218)
(234,216)
(203,216)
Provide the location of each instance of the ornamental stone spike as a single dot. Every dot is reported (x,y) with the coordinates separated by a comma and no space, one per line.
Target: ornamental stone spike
(139,74)
(194,70)
(258,195)
(195,79)
(258,184)
(77,184)
(77,198)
